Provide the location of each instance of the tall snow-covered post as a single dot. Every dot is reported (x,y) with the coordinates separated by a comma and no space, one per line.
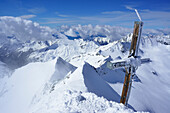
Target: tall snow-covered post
(131,66)
(130,71)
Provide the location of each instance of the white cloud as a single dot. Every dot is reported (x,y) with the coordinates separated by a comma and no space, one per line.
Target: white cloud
(28,16)
(159,15)
(37,10)
(123,16)
(57,21)
(112,12)
(150,18)
(62,15)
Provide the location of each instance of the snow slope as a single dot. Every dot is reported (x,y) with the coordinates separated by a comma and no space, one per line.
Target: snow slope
(154,88)
(69,95)
(23,85)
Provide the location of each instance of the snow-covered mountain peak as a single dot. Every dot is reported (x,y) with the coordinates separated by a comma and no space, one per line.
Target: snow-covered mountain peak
(64,69)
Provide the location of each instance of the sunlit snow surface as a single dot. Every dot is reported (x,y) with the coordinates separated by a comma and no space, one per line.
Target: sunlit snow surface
(41,71)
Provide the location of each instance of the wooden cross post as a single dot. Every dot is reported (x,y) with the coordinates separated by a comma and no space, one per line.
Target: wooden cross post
(130,69)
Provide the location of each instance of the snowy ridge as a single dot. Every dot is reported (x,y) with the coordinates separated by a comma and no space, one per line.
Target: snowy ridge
(61,70)
(71,95)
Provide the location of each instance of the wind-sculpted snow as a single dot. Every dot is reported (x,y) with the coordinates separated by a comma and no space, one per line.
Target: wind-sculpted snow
(97,85)
(61,69)
(68,95)
(83,102)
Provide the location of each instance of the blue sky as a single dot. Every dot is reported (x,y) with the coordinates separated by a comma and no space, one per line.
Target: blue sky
(53,13)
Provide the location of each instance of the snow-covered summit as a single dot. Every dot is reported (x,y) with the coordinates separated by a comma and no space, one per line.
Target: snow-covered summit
(64,70)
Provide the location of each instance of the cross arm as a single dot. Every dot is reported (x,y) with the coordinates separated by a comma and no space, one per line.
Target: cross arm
(127,63)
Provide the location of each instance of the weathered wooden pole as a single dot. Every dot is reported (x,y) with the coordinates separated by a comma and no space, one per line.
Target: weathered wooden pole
(130,71)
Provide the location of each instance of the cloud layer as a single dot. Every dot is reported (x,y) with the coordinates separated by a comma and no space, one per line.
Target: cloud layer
(156,19)
(27,16)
